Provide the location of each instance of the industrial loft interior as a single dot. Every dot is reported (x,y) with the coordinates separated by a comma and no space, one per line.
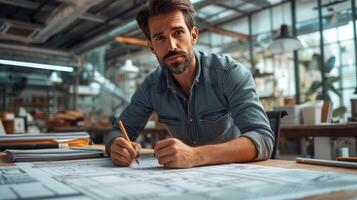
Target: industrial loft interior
(268,82)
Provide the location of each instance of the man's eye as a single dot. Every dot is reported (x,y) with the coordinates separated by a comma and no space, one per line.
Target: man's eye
(159,38)
(178,32)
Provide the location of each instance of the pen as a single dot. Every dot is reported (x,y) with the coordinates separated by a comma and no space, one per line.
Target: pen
(121,126)
(32,146)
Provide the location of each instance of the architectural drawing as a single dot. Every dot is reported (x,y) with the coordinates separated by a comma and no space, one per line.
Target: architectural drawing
(99,179)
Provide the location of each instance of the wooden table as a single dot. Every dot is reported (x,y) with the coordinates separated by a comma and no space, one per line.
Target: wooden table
(300,132)
(275,163)
(321,130)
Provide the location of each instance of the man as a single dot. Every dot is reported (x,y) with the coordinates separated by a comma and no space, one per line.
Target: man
(208,102)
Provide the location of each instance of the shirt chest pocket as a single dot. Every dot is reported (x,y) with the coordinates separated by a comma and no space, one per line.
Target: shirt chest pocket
(173,123)
(215,124)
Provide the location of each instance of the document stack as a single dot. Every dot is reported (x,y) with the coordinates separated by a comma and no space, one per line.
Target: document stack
(52,154)
(44,140)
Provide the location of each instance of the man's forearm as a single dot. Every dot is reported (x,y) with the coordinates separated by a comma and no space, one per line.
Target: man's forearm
(241,149)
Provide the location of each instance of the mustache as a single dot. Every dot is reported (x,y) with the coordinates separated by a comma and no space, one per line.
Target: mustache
(174,53)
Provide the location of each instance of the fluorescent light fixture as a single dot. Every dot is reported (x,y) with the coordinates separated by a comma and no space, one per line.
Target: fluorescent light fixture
(36,65)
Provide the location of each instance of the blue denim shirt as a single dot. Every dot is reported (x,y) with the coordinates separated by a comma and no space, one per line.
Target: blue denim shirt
(223,105)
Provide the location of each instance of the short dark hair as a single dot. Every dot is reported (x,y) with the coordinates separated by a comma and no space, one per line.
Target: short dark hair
(159,7)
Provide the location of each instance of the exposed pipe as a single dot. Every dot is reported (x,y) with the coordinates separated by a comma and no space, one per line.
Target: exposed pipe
(104,38)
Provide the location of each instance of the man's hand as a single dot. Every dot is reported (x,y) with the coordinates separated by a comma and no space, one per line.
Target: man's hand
(122,153)
(172,153)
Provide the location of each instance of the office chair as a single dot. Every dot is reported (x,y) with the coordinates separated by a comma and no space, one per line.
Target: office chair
(274,120)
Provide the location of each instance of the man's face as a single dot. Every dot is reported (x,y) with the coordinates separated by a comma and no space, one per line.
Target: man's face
(172,42)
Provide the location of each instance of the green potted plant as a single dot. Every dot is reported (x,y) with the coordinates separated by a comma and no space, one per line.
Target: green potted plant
(316,86)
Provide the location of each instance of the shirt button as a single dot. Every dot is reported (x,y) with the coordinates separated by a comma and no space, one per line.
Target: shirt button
(194,142)
(191,120)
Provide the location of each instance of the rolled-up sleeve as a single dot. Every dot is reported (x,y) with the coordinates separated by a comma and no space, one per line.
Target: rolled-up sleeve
(247,110)
(134,117)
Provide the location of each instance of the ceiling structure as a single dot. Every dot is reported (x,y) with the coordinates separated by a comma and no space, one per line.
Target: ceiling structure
(65,28)
(104,32)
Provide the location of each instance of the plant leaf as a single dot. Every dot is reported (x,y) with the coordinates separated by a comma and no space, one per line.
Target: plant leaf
(330,64)
(339,112)
(319,96)
(314,87)
(334,90)
(305,63)
(332,79)
(315,62)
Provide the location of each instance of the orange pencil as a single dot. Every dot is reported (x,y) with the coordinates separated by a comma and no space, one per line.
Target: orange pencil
(121,126)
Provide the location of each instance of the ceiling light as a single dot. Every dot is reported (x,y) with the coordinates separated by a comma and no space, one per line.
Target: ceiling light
(36,65)
(129,67)
(285,42)
(54,78)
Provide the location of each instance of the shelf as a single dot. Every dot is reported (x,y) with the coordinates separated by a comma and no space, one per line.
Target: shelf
(269,97)
(262,75)
(32,104)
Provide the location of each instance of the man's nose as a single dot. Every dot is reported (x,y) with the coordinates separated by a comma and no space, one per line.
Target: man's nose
(172,44)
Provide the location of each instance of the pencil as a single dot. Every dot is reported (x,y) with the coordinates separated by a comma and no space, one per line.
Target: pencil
(121,126)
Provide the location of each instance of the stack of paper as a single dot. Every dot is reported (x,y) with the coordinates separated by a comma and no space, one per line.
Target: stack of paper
(52,154)
(73,139)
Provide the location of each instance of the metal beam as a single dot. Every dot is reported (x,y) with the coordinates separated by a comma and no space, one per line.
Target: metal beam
(63,18)
(239,36)
(24,24)
(105,37)
(260,3)
(354,18)
(296,55)
(34,49)
(202,4)
(26,4)
(131,40)
(93,18)
(47,8)
(110,87)
(12,37)
(231,8)
(322,51)
(206,26)
(238,16)
(100,19)
(129,26)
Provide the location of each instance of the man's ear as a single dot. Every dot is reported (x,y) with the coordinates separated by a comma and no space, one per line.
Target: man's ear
(149,44)
(194,35)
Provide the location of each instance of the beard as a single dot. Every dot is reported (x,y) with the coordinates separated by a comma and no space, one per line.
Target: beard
(177,67)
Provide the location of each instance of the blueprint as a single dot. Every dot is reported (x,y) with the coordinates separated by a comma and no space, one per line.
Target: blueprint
(99,179)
